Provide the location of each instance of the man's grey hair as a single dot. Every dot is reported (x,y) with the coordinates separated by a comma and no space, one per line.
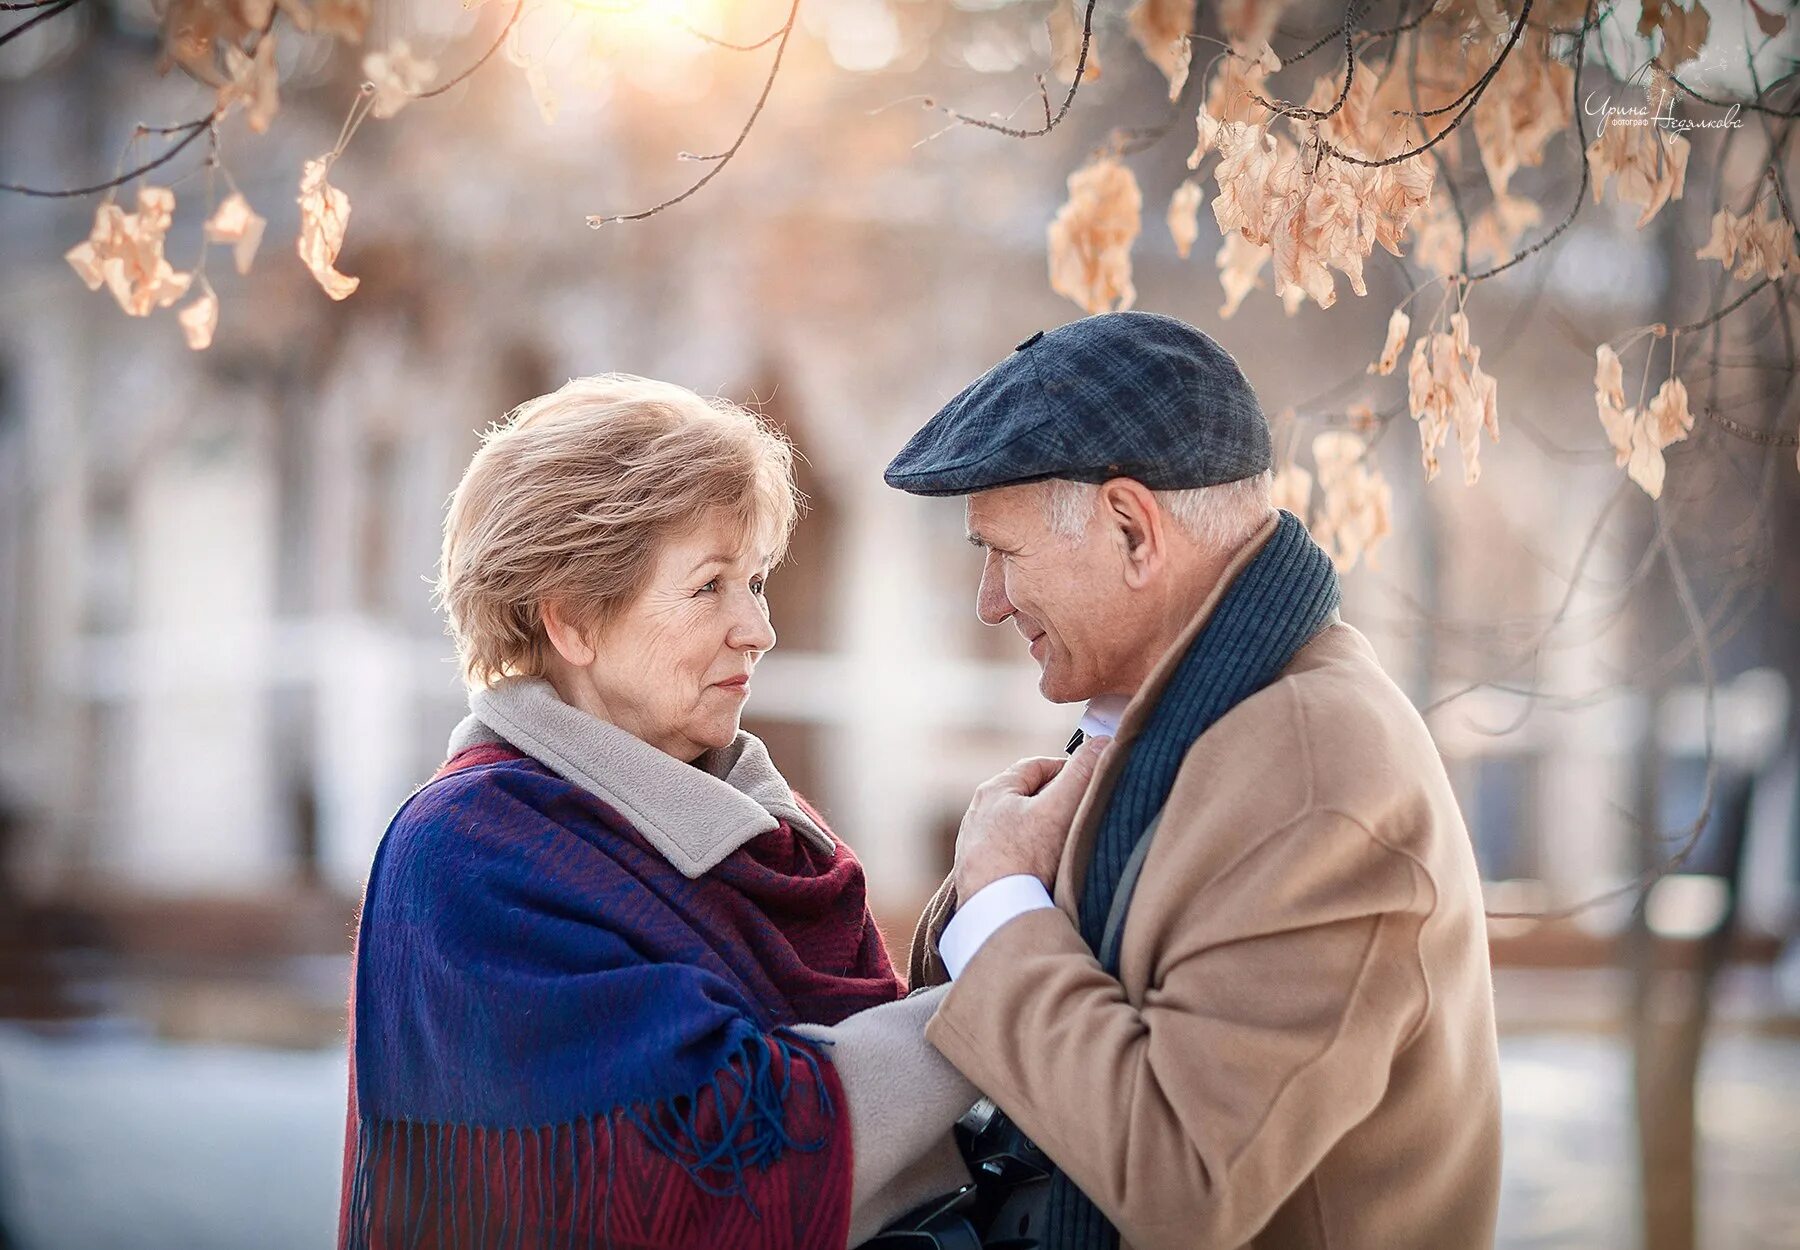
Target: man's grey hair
(1220,517)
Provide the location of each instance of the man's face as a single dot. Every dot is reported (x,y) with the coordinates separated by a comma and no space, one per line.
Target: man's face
(1067,598)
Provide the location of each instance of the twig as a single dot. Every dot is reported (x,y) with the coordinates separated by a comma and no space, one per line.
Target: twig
(57,8)
(1351,13)
(483,59)
(1687,838)
(716,42)
(595,221)
(1363,36)
(1753,105)
(1474,97)
(1726,311)
(189,131)
(1580,191)
(1050,123)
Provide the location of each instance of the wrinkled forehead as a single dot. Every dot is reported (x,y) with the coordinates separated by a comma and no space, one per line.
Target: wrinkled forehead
(1005,513)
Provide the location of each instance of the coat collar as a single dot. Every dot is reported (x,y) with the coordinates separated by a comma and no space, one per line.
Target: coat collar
(693,814)
(1079,846)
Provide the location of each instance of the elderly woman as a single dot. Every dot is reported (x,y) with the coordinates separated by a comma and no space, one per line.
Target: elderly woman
(616,984)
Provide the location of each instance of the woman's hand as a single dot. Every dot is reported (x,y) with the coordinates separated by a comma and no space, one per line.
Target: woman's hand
(1018,821)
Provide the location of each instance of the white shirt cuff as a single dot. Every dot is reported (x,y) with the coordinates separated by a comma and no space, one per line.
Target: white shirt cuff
(977,919)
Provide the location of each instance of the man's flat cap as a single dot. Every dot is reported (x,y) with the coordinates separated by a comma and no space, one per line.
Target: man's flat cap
(1125,394)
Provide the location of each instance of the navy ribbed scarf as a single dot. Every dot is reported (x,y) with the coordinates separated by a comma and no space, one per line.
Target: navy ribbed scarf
(1274,607)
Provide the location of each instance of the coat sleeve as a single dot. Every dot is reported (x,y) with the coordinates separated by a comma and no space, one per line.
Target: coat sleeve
(903,1097)
(925,967)
(1277,999)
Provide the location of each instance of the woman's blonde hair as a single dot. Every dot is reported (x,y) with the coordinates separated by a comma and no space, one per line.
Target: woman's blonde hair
(570,499)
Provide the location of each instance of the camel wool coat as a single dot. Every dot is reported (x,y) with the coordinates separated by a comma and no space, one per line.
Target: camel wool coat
(1299,1052)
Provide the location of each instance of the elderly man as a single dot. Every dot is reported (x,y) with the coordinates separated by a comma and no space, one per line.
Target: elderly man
(1257,1009)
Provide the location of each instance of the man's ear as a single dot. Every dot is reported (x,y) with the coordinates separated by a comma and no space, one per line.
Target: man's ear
(572,640)
(1131,512)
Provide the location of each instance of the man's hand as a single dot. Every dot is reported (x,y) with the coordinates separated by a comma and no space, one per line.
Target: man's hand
(1018,821)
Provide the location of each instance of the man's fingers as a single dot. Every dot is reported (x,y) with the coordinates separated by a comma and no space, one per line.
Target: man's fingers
(1072,781)
(1030,775)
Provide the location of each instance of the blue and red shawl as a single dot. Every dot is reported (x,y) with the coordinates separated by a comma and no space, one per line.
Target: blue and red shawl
(559,1040)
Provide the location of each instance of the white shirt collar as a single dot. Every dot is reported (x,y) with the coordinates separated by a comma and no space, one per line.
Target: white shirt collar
(1101,720)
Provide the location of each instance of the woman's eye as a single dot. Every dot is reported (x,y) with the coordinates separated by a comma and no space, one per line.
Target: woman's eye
(757,586)
(709,587)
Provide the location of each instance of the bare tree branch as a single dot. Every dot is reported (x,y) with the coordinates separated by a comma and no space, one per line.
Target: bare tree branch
(1474,97)
(54,9)
(724,158)
(483,59)
(1050,122)
(189,131)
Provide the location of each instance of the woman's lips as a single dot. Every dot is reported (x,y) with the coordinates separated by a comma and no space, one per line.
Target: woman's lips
(741,682)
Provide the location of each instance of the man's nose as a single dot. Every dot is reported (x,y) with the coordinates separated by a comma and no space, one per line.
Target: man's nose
(992,606)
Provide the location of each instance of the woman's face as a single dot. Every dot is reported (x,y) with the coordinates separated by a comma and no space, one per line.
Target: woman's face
(673,667)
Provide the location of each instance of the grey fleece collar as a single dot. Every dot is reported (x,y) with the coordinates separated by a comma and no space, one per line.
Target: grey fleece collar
(694,814)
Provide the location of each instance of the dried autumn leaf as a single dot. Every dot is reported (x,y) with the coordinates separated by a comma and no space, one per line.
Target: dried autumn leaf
(1493,16)
(1651,166)
(124,251)
(1066,26)
(324,216)
(253,83)
(1291,490)
(1250,21)
(1609,399)
(1771,24)
(1255,175)
(1231,96)
(1497,231)
(1355,512)
(200,319)
(1638,435)
(194,30)
(399,77)
(341,19)
(1091,237)
(1397,193)
(1208,131)
(236,223)
(1438,245)
(1161,28)
(1447,389)
(1529,101)
(1239,262)
(1399,326)
(1353,126)
(1684,31)
(1759,243)
(1184,216)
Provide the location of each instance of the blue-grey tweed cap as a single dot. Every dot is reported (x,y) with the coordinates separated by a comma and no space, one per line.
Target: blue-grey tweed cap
(1124,394)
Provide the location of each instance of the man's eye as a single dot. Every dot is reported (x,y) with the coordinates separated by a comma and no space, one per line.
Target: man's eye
(709,587)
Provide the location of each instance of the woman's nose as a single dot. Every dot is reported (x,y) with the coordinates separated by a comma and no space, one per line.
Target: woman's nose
(752,631)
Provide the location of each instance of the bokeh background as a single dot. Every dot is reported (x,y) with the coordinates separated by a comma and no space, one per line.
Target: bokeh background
(220,670)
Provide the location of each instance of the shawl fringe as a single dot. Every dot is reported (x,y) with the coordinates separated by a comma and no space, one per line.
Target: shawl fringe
(454,1184)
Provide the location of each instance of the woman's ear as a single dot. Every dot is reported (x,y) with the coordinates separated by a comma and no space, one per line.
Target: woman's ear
(571,640)
(1138,522)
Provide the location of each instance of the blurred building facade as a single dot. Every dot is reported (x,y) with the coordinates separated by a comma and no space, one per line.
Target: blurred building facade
(219,667)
